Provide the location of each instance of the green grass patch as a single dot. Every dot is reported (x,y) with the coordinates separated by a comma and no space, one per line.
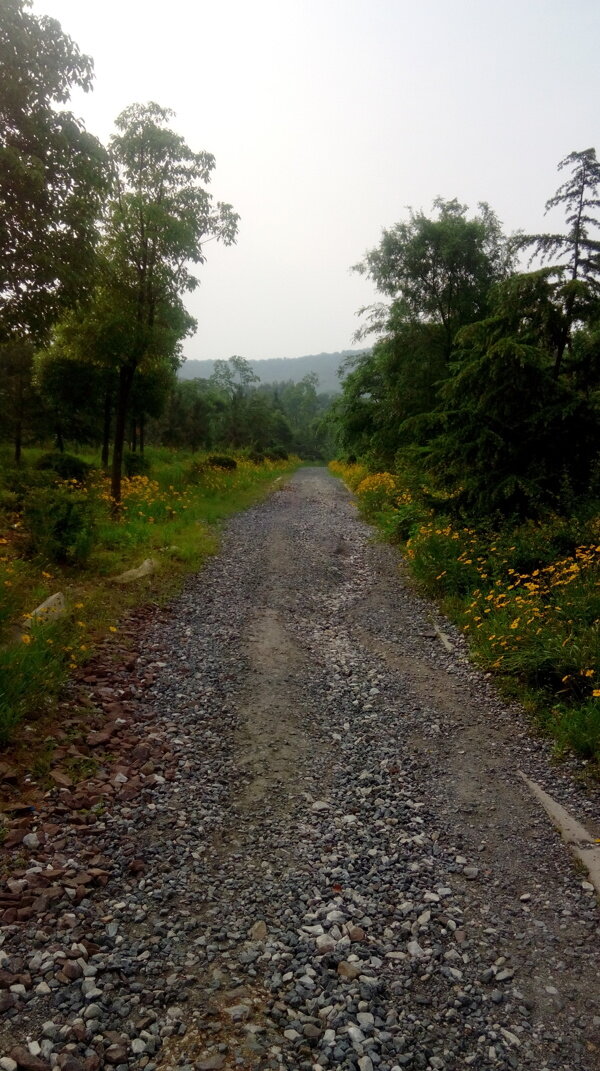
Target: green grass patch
(61,536)
(527,598)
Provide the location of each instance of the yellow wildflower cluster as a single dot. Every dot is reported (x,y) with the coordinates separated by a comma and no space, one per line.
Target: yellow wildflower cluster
(529,611)
(351,474)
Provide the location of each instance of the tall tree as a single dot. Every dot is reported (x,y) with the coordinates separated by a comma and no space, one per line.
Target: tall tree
(576,253)
(438,270)
(53,174)
(19,399)
(513,439)
(158,225)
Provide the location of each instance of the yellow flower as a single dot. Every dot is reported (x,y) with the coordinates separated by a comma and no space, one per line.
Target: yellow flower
(111,628)
(596,693)
(515,623)
(26,638)
(79,606)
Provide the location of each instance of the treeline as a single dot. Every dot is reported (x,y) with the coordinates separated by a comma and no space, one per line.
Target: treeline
(485,376)
(51,399)
(282,369)
(96,249)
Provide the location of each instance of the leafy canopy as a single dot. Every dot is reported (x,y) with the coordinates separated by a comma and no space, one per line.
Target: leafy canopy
(438,270)
(577,252)
(54,175)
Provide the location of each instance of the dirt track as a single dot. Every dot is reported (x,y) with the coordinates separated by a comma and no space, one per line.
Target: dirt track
(317,849)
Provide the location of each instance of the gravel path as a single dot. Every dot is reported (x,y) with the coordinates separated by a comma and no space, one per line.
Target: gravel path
(302,841)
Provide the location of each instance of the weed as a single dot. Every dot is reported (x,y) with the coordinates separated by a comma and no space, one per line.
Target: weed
(79,547)
(527,597)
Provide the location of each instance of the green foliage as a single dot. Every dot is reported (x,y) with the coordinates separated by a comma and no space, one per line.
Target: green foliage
(168,517)
(514,439)
(30,676)
(221,461)
(580,198)
(492,379)
(66,466)
(135,464)
(401,522)
(277,453)
(53,174)
(577,728)
(439,270)
(526,596)
(61,523)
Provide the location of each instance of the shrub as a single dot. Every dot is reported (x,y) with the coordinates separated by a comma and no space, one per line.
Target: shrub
(66,466)
(579,727)
(196,472)
(61,523)
(443,559)
(222,461)
(20,481)
(377,493)
(400,522)
(256,457)
(277,453)
(135,464)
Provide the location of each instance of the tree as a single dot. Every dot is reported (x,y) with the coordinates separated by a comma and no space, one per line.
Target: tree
(54,176)
(577,253)
(437,271)
(233,380)
(19,400)
(70,389)
(158,224)
(512,437)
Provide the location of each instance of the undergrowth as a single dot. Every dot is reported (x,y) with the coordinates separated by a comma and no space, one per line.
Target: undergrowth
(60,534)
(527,596)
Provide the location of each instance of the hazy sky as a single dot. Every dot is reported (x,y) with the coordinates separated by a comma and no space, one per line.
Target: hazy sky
(328,118)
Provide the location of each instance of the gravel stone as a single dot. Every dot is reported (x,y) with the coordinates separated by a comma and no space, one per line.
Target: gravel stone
(305,845)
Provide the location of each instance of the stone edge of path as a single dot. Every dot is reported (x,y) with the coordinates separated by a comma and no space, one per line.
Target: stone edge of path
(577,838)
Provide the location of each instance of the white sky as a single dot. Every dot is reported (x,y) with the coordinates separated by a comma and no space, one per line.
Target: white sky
(328,117)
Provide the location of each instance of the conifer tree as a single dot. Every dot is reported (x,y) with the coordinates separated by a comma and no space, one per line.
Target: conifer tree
(576,253)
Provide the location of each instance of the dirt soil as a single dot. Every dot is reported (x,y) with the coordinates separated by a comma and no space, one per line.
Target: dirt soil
(287,829)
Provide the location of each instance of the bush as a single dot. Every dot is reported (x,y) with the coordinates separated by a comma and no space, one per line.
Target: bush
(66,466)
(443,559)
(277,453)
(222,461)
(579,728)
(136,464)
(20,481)
(377,493)
(196,472)
(401,522)
(256,457)
(61,523)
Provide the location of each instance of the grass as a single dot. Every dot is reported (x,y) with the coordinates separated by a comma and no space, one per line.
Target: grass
(527,598)
(62,537)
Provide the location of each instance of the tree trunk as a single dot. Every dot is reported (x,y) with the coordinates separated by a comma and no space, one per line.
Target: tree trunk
(60,442)
(133,436)
(565,334)
(142,430)
(18,439)
(19,419)
(126,374)
(106,429)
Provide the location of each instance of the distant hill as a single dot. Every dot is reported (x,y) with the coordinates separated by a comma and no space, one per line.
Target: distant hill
(283,369)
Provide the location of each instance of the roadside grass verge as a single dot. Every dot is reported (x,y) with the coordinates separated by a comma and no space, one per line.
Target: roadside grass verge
(527,598)
(59,535)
